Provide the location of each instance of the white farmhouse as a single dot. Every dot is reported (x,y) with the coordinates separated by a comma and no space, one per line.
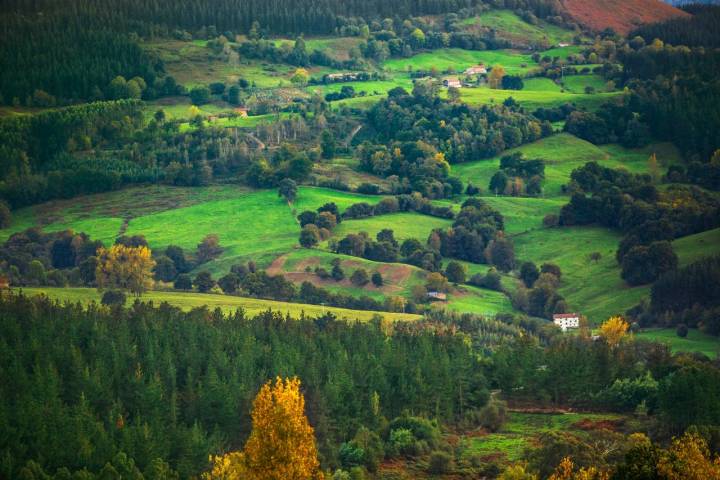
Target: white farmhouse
(566,320)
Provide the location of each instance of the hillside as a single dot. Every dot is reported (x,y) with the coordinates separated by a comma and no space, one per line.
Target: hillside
(620,15)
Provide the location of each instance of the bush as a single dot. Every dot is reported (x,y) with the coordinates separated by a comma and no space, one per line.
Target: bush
(113,297)
(492,416)
(359,277)
(377,279)
(682,330)
(440,463)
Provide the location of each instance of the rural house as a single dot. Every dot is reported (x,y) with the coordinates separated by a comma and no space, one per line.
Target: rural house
(452,82)
(566,320)
(476,70)
(439,296)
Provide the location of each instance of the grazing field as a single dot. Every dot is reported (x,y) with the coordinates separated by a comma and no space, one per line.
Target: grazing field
(596,287)
(562,154)
(227,303)
(405,225)
(457,59)
(511,27)
(522,430)
(578,83)
(535,99)
(480,301)
(695,342)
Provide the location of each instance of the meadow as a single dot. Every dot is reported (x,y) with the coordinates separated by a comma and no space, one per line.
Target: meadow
(522,431)
(511,27)
(695,342)
(226,303)
(456,59)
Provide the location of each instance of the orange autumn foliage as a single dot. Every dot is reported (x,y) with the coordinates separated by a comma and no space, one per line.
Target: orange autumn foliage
(282,442)
(566,471)
(688,458)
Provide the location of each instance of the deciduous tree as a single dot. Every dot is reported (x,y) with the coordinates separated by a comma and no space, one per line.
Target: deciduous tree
(126,268)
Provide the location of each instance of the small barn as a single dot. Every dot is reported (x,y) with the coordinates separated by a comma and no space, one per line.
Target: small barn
(479,69)
(437,296)
(567,320)
(452,82)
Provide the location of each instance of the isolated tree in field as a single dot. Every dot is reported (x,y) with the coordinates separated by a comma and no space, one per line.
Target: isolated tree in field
(377,279)
(614,330)
(495,76)
(125,268)
(288,190)
(281,444)
(359,277)
(300,77)
(209,248)
(455,272)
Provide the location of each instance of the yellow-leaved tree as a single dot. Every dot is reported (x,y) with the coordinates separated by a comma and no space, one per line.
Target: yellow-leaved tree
(566,471)
(614,330)
(126,268)
(689,458)
(495,76)
(281,444)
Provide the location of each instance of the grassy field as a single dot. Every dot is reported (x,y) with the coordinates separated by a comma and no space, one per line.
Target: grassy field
(404,225)
(227,303)
(511,27)
(562,154)
(522,430)
(458,60)
(577,83)
(696,341)
(535,99)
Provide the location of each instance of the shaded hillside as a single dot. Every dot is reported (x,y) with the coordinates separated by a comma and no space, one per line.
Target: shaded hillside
(620,15)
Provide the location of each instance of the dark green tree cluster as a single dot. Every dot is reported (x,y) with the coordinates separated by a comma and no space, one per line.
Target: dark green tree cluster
(156,387)
(419,135)
(647,217)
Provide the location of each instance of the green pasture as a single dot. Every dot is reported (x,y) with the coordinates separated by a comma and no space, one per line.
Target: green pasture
(577,83)
(458,59)
(522,430)
(481,301)
(535,99)
(510,26)
(695,342)
(227,303)
(405,225)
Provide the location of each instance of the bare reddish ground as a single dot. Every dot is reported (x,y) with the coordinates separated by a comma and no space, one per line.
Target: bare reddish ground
(620,15)
(588,424)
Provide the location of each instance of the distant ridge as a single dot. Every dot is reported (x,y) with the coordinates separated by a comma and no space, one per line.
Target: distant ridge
(620,15)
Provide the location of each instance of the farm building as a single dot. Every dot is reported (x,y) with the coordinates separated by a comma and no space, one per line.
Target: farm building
(566,320)
(437,296)
(452,82)
(479,69)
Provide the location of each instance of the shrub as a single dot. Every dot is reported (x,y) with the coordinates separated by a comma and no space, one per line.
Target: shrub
(440,463)
(204,282)
(359,277)
(682,330)
(377,279)
(113,297)
(492,416)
